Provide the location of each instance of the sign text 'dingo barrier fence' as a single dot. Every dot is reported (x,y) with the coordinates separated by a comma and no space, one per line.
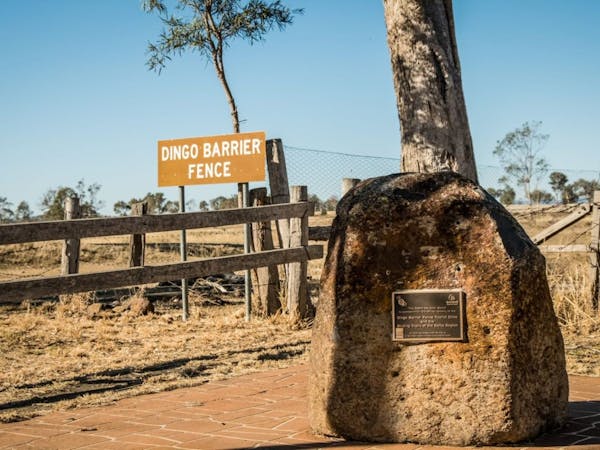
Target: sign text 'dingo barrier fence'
(233,158)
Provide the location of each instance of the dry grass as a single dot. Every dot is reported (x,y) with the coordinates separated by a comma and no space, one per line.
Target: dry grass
(569,281)
(58,356)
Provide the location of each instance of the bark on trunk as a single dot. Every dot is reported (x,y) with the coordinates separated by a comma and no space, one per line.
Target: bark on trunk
(433,118)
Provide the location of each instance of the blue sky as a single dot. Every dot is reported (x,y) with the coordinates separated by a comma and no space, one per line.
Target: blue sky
(77,101)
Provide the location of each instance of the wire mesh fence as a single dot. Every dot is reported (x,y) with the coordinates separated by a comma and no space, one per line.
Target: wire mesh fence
(323,171)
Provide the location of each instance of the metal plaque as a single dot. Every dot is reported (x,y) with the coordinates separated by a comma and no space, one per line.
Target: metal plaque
(429,315)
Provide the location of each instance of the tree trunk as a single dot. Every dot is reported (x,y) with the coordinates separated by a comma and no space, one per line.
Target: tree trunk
(433,118)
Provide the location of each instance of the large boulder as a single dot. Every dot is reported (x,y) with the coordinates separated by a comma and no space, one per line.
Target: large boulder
(506,382)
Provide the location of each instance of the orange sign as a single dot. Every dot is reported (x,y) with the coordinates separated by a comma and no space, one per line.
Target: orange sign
(231,158)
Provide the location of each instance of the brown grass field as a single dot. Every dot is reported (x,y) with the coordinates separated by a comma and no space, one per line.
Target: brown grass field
(60,355)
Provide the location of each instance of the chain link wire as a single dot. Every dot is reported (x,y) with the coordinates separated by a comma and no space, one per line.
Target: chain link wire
(323,171)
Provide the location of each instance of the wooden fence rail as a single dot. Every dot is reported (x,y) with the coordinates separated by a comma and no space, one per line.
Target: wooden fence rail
(18,290)
(83,228)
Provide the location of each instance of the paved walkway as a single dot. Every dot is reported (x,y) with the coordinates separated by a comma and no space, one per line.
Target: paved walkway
(263,410)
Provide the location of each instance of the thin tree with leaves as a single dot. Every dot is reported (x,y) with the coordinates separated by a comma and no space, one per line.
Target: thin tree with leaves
(520,154)
(53,201)
(208,27)
(6,212)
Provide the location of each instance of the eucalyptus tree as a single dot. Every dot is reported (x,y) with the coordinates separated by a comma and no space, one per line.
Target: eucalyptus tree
(520,152)
(53,200)
(208,27)
(23,212)
(427,79)
(6,212)
(558,183)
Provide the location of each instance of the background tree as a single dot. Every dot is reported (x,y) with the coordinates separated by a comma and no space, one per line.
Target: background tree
(156,201)
(203,206)
(319,206)
(190,205)
(6,212)
(53,200)
(331,203)
(505,195)
(539,196)
(558,181)
(584,189)
(23,212)
(519,152)
(222,202)
(122,208)
(208,27)
(426,70)
(564,192)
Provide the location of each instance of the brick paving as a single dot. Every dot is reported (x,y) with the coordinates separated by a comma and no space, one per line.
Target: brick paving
(264,410)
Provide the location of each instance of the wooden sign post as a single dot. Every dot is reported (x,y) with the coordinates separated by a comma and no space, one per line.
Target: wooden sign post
(233,158)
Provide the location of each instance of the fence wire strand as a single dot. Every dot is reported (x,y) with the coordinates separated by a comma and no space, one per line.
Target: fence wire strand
(323,171)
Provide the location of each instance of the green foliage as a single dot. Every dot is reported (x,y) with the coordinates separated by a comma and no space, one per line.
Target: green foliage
(156,201)
(319,206)
(203,206)
(224,202)
(584,189)
(208,27)
(331,203)
(6,212)
(159,204)
(539,196)
(572,192)
(520,154)
(53,200)
(190,205)
(505,195)
(564,192)
(22,212)
(122,208)
(558,183)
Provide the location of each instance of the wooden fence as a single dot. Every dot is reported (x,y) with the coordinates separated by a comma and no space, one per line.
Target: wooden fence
(295,255)
(593,249)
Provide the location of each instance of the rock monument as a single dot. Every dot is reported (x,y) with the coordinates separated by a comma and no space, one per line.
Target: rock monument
(434,324)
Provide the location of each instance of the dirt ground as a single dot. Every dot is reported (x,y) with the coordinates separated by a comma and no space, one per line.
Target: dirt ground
(61,355)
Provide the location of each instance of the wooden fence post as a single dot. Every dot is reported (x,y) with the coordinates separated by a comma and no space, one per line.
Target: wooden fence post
(70,251)
(265,280)
(297,286)
(278,184)
(137,242)
(595,250)
(349,183)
